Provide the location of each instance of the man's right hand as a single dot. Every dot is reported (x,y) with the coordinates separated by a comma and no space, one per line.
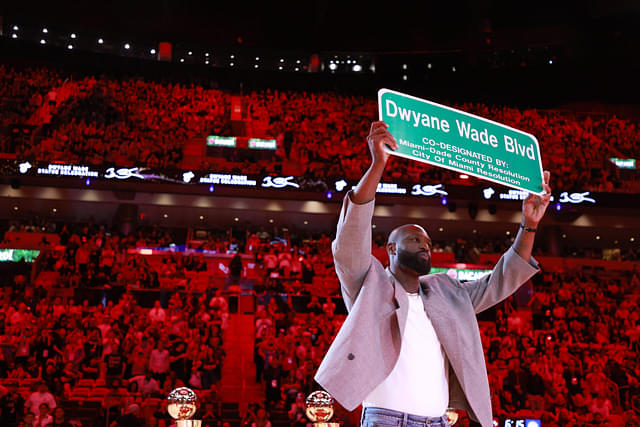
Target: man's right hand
(379,138)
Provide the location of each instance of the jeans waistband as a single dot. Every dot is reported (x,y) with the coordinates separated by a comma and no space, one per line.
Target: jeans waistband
(372,410)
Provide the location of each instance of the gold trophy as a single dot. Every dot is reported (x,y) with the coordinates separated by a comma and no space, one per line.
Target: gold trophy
(183,404)
(452,416)
(320,409)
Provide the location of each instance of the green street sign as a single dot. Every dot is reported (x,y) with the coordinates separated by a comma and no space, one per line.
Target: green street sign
(452,139)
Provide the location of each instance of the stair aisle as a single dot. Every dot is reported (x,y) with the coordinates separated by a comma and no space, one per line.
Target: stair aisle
(238,371)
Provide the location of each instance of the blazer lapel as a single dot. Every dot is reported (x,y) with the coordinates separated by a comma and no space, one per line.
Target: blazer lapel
(402,302)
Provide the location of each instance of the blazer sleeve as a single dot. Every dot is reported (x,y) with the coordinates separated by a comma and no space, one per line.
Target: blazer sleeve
(510,272)
(352,247)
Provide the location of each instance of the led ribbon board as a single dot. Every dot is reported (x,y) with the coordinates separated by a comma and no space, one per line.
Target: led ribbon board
(442,136)
(262,144)
(18,255)
(461,273)
(221,141)
(623,163)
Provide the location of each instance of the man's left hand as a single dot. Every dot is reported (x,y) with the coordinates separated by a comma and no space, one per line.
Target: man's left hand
(534,206)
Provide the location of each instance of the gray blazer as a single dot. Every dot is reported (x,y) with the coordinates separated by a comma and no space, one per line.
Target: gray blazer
(367,346)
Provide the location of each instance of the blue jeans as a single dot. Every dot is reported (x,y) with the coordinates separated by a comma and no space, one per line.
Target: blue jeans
(374,417)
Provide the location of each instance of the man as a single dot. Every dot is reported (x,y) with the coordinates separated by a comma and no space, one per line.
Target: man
(131,418)
(410,346)
(59,419)
(38,397)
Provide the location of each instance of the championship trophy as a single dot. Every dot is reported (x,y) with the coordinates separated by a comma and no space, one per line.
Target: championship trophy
(183,404)
(452,416)
(320,409)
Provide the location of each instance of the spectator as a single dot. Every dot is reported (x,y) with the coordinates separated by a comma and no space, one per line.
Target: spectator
(131,418)
(59,418)
(262,419)
(38,397)
(147,385)
(157,313)
(44,418)
(159,363)
(11,408)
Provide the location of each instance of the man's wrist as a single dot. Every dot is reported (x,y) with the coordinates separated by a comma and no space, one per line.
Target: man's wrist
(530,227)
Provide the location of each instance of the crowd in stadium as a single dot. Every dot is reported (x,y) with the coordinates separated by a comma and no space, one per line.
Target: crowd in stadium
(574,358)
(573,361)
(128,121)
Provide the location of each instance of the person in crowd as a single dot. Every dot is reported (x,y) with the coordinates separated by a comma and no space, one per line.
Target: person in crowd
(147,385)
(59,418)
(262,419)
(44,418)
(131,418)
(41,395)
(12,406)
(157,313)
(159,362)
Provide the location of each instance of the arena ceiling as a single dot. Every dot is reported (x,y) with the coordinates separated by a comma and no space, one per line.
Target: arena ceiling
(340,25)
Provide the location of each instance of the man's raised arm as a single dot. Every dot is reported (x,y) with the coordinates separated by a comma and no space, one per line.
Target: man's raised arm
(378,138)
(352,246)
(515,266)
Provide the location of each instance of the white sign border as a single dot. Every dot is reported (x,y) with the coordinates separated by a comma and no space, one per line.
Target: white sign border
(380,115)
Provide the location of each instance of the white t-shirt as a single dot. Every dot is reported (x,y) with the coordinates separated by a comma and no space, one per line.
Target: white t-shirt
(36,399)
(418,383)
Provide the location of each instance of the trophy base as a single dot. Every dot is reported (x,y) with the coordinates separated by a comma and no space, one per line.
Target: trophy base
(188,423)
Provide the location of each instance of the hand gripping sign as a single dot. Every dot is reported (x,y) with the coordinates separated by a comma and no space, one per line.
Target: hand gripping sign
(452,139)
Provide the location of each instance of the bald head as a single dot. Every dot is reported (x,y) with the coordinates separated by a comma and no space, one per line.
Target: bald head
(409,247)
(399,232)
